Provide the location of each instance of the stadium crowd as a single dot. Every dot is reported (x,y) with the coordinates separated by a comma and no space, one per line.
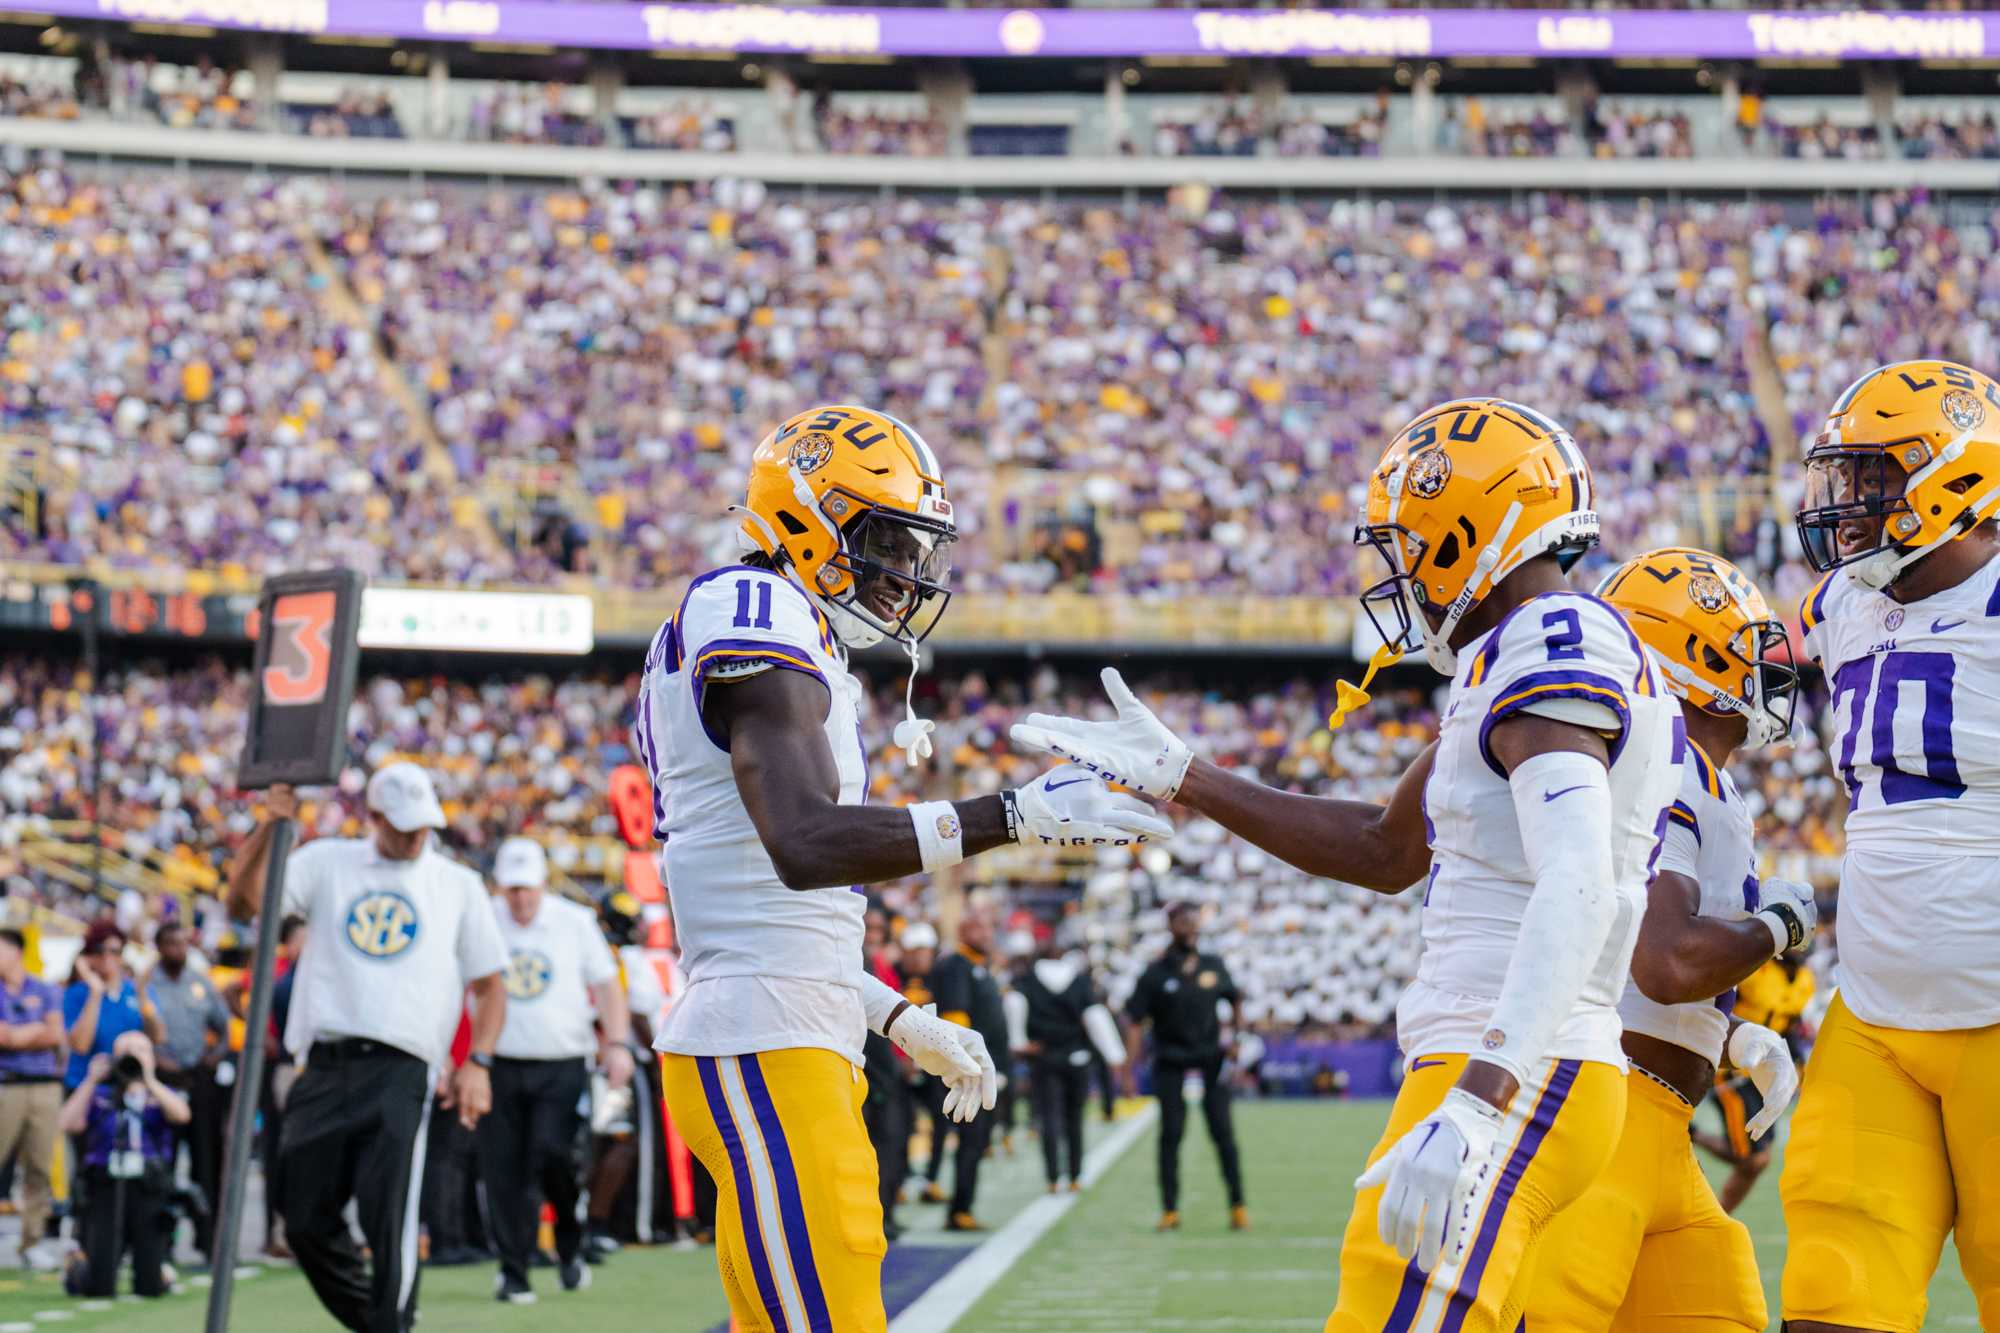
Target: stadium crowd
(532,755)
(632,342)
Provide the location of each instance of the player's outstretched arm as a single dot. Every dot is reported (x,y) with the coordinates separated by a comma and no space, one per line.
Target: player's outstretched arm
(1378,847)
(790,785)
(1684,958)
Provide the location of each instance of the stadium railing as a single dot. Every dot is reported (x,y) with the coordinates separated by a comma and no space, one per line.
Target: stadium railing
(105,140)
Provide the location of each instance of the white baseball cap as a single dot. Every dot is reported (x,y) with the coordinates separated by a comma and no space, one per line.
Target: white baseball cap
(403,795)
(918,935)
(521,864)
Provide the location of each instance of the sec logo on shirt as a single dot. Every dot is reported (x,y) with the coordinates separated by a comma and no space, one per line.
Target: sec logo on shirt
(382,924)
(527,975)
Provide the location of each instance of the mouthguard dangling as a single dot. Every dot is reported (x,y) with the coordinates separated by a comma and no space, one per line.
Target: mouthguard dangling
(913,733)
(1348,697)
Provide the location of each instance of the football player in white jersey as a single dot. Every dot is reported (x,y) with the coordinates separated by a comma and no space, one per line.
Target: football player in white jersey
(1897,1135)
(748,721)
(1541,806)
(1648,1246)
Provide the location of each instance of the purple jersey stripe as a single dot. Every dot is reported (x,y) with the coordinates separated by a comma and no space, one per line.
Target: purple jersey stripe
(791,1205)
(746,1204)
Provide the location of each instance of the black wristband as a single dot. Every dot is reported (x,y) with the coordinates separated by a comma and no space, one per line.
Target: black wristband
(1010,804)
(894,1014)
(1795,929)
(480,1058)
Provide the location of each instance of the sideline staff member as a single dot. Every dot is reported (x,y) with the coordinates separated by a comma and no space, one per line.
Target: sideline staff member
(560,981)
(968,994)
(395,933)
(1178,994)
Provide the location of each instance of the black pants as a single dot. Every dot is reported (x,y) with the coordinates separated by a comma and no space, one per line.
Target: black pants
(1060,1090)
(527,1153)
(450,1210)
(124,1216)
(208,1106)
(930,1095)
(973,1136)
(355,1128)
(1167,1078)
(886,1113)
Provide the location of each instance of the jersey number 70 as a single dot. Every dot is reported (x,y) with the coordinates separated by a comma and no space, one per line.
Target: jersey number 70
(1856,680)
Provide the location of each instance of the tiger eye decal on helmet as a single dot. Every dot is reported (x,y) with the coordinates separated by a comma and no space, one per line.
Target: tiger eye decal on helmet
(853,501)
(1711,633)
(1464,495)
(1907,461)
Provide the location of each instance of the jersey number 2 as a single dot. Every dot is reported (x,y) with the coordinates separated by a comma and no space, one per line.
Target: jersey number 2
(1565,641)
(743,620)
(1939,778)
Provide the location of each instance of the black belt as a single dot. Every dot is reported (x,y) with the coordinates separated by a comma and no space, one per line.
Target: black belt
(27,1080)
(353,1048)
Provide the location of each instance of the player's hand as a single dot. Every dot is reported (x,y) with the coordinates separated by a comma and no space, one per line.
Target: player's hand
(618,1066)
(1135,751)
(955,1054)
(1761,1053)
(1073,807)
(1788,907)
(1431,1175)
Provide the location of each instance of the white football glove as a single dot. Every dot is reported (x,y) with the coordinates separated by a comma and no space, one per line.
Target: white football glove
(1136,751)
(1788,908)
(1761,1053)
(1431,1175)
(955,1054)
(1072,807)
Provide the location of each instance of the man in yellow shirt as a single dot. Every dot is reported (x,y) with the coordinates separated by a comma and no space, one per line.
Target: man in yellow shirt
(1775,995)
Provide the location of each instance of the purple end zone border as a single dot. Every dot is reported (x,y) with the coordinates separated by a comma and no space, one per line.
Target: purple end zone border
(1057,33)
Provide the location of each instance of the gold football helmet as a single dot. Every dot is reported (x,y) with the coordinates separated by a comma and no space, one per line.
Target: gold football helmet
(852,500)
(1909,459)
(1464,495)
(1712,634)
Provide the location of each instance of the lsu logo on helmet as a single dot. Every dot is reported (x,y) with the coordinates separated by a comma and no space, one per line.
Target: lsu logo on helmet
(1711,633)
(1909,458)
(381,924)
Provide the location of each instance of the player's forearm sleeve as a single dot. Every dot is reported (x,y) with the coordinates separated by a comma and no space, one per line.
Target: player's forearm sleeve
(878,1000)
(1563,801)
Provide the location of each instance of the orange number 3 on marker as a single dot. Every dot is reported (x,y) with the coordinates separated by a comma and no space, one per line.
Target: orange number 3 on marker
(301,661)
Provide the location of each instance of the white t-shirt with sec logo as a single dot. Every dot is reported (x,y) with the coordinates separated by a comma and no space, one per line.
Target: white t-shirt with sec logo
(390,946)
(552,962)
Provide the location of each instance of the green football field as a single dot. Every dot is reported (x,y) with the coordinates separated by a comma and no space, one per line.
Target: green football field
(1100,1269)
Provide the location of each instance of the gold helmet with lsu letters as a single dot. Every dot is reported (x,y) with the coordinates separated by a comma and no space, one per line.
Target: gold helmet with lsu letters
(1908,460)
(1712,634)
(852,501)
(1466,494)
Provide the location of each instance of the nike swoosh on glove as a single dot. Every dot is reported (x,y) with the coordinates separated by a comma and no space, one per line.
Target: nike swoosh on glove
(1761,1053)
(1135,751)
(955,1054)
(1073,807)
(1431,1176)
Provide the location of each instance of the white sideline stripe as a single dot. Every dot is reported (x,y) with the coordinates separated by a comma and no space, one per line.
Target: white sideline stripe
(940,1308)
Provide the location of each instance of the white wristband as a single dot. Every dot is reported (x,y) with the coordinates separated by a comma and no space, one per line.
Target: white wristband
(940,836)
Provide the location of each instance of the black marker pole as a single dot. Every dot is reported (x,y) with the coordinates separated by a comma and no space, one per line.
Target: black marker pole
(249,1078)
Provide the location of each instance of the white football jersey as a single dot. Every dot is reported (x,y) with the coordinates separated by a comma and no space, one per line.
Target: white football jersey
(1914,712)
(1565,655)
(767,967)
(1709,839)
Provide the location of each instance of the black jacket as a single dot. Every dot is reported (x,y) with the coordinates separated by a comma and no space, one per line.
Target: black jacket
(1178,994)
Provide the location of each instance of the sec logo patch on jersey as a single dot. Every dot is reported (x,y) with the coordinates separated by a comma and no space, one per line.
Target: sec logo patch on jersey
(381,924)
(528,974)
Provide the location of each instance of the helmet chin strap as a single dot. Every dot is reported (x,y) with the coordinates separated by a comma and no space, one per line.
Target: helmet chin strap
(1884,566)
(1682,683)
